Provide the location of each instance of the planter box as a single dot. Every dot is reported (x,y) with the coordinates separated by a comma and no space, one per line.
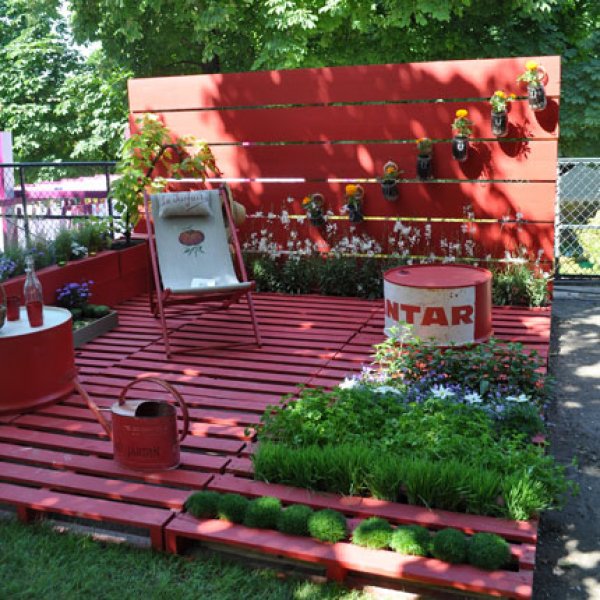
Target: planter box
(117,276)
(95,328)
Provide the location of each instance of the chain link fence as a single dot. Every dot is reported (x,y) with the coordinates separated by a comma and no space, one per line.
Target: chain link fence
(577,238)
(37,200)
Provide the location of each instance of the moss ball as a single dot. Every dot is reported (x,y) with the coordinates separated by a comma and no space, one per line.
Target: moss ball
(488,551)
(203,505)
(450,545)
(411,539)
(373,533)
(232,507)
(294,519)
(328,526)
(263,513)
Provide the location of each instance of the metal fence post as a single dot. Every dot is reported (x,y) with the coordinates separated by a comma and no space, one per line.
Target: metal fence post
(24,204)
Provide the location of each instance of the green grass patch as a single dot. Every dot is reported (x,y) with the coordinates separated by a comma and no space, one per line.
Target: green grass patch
(36,562)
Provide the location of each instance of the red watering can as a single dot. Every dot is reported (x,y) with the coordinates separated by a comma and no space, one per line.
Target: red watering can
(144,432)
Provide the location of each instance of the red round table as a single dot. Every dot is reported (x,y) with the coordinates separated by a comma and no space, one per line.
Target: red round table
(37,364)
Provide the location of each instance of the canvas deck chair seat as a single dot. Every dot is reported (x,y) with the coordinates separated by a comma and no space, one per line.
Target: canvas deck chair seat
(191,256)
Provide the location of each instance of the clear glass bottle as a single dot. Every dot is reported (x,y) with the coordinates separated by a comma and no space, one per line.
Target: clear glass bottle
(32,292)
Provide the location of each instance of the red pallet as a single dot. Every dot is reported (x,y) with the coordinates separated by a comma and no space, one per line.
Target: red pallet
(61,453)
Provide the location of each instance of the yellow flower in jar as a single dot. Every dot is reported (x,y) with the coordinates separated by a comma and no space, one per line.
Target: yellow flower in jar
(306,200)
(531,65)
(512,96)
(500,94)
(390,170)
(461,113)
(351,189)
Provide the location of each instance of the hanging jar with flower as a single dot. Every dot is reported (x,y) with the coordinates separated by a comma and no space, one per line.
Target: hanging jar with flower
(499,117)
(424,158)
(313,205)
(534,76)
(389,181)
(461,130)
(354,197)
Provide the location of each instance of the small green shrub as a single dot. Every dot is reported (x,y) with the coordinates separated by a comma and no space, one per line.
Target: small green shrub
(450,545)
(263,513)
(203,505)
(63,245)
(523,419)
(93,234)
(328,526)
(488,551)
(411,539)
(100,310)
(518,284)
(293,520)
(232,507)
(373,533)
(589,240)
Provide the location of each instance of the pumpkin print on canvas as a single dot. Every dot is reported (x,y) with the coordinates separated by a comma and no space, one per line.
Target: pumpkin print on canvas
(192,240)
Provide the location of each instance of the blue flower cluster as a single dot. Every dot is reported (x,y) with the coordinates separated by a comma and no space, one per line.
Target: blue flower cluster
(7,267)
(74,295)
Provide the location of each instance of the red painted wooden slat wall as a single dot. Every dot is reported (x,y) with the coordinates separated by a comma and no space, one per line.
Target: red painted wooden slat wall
(320,126)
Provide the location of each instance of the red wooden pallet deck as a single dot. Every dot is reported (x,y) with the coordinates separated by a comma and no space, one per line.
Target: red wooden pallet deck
(59,460)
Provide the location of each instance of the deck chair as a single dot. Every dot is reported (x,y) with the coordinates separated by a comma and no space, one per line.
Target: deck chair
(190,254)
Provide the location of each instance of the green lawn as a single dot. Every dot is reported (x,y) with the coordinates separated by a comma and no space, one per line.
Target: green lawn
(37,562)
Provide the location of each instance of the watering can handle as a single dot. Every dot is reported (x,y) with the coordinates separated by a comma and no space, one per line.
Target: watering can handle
(171,390)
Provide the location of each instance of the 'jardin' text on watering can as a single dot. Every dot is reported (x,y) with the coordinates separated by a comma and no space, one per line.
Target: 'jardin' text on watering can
(144,432)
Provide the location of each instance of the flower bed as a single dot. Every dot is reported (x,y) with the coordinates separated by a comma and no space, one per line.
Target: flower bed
(446,429)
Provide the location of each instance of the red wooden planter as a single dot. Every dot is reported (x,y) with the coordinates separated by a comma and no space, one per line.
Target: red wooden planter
(341,558)
(117,276)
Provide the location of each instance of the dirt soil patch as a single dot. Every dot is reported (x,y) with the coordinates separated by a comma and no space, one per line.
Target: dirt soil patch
(568,557)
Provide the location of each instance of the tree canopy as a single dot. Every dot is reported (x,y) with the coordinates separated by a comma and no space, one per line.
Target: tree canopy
(166,37)
(57,105)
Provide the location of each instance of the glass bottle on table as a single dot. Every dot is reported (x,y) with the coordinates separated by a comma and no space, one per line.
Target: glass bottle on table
(32,292)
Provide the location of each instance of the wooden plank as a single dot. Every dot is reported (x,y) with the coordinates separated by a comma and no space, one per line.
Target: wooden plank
(109,468)
(433,200)
(519,531)
(368,83)
(343,557)
(45,501)
(111,489)
(355,122)
(488,160)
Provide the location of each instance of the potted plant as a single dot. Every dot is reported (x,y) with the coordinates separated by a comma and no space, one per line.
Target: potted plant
(461,130)
(424,158)
(534,76)
(389,181)
(499,117)
(152,151)
(313,205)
(354,197)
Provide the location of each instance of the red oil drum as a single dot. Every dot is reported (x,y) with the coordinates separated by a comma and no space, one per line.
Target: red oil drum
(37,364)
(449,304)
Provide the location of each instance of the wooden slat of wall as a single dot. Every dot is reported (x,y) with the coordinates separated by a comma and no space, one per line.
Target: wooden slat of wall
(535,201)
(530,160)
(357,122)
(494,239)
(415,81)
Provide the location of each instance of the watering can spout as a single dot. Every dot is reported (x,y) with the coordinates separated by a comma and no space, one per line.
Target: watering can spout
(94,408)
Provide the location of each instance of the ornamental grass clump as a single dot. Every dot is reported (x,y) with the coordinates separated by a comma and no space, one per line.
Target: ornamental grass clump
(232,507)
(373,533)
(411,539)
(328,526)
(263,513)
(450,545)
(293,520)
(488,551)
(203,505)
